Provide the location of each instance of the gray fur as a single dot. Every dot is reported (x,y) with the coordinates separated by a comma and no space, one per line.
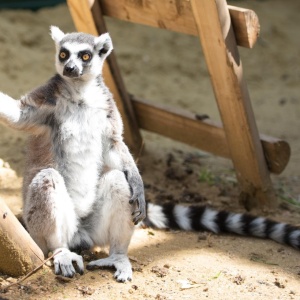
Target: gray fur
(81,185)
(78,37)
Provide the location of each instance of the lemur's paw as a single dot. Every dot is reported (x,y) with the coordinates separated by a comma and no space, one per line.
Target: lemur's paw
(123,275)
(119,261)
(138,199)
(63,263)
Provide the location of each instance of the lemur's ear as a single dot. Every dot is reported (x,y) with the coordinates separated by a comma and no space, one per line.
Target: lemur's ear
(56,34)
(103,45)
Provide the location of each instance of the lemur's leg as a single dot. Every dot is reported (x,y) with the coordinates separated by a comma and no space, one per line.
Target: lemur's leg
(115,224)
(51,220)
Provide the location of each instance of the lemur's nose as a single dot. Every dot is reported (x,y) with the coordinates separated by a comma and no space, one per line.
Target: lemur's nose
(69,69)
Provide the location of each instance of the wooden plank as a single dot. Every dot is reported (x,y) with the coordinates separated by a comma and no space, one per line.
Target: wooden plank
(225,68)
(245,25)
(177,15)
(19,254)
(206,135)
(84,22)
(82,16)
(182,126)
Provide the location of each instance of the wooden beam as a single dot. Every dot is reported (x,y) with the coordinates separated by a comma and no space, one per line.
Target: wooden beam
(182,126)
(85,22)
(19,254)
(177,15)
(206,135)
(225,69)
(245,25)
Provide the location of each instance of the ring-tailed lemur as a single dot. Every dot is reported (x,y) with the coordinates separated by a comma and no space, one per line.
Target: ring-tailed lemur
(81,185)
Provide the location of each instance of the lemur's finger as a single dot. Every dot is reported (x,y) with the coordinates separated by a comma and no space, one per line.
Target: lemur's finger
(133,198)
(91,266)
(57,268)
(79,262)
(142,205)
(138,216)
(70,271)
(63,270)
(135,214)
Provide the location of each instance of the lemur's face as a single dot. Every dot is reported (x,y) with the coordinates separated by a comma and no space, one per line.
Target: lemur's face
(80,55)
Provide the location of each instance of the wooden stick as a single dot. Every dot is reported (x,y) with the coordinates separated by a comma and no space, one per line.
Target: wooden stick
(209,136)
(178,16)
(225,68)
(19,254)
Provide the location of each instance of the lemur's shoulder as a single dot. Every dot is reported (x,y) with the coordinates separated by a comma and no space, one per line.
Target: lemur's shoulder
(48,93)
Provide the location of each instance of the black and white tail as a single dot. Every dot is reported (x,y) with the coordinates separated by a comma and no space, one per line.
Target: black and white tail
(204,218)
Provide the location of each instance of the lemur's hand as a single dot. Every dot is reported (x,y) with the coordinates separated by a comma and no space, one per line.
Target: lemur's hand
(137,197)
(63,263)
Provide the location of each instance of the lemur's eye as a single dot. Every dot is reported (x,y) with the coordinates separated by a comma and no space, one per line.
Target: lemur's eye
(63,55)
(85,56)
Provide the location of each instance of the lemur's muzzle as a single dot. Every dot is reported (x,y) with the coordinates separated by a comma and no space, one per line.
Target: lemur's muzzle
(71,70)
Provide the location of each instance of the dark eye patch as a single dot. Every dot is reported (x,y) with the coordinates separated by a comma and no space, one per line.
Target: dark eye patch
(64,54)
(85,55)
(102,51)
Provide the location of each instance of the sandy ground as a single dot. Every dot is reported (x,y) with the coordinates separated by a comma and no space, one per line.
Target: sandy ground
(171,69)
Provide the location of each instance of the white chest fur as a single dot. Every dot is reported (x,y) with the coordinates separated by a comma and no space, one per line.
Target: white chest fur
(78,149)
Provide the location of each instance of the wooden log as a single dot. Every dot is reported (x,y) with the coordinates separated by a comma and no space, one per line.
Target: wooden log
(225,68)
(204,134)
(19,254)
(84,22)
(177,15)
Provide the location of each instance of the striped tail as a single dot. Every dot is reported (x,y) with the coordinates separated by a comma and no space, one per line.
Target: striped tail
(199,218)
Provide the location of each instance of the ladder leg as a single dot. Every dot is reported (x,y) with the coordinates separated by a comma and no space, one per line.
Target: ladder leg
(225,68)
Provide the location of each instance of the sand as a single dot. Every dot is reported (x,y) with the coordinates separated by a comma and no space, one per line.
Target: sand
(169,68)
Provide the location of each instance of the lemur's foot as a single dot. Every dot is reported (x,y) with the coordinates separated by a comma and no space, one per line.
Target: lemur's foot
(119,261)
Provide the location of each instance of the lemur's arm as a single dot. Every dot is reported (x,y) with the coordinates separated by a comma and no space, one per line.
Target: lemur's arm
(118,157)
(22,114)
(128,166)
(32,110)
(10,110)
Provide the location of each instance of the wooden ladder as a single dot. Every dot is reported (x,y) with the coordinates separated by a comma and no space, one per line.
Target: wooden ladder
(220,29)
